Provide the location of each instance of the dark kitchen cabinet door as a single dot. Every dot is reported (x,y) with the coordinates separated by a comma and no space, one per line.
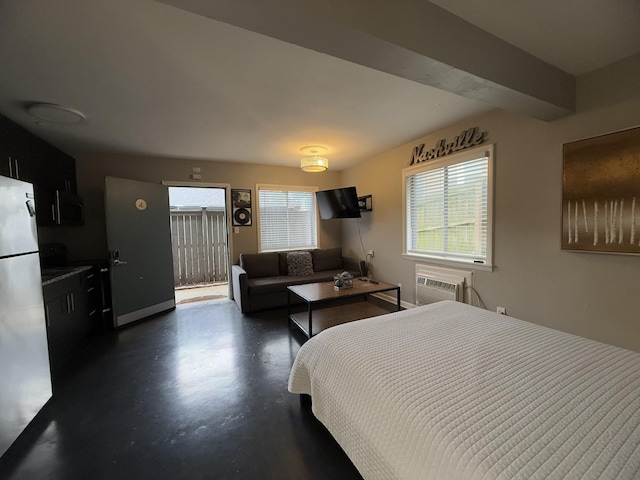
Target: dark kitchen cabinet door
(4,156)
(4,164)
(7,136)
(67,304)
(46,166)
(26,157)
(19,149)
(45,205)
(58,174)
(13,142)
(59,331)
(91,300)
(26,167)
(57,170)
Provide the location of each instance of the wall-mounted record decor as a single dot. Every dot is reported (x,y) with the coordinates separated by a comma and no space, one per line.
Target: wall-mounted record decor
(241,201)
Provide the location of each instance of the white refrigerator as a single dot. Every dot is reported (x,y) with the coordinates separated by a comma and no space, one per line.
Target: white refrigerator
(25,376)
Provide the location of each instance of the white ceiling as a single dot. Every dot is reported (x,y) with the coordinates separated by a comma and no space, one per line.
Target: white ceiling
(153,79)
(577,36)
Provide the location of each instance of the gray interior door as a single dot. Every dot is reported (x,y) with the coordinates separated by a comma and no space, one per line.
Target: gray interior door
(139,242)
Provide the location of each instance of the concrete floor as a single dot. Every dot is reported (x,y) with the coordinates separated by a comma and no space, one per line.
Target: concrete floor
(196,294)
(196,393)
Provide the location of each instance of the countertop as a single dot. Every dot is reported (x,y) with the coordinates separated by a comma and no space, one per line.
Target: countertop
(50,275)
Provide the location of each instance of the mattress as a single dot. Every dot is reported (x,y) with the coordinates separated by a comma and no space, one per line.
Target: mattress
(450,391)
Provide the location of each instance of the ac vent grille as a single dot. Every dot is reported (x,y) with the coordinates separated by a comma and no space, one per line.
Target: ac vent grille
(436,284)
(441,285)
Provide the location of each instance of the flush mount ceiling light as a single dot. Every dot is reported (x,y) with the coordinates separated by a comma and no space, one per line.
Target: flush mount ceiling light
(52,113)
(313,161)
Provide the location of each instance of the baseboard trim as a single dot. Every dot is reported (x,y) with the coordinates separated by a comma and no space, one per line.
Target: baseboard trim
(394,300)
(144,312)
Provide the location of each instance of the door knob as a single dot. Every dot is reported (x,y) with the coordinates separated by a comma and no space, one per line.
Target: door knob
(116,258)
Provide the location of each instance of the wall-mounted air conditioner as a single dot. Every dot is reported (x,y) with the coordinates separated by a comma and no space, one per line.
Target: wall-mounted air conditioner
(434,284)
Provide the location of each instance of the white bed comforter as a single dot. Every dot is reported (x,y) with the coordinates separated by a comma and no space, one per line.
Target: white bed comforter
(449,391)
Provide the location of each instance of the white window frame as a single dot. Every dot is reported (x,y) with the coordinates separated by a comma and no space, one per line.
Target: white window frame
(453,260)
(285,188)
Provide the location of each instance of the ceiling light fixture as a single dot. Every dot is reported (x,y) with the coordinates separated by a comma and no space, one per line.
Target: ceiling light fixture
(313,161)
(53,113)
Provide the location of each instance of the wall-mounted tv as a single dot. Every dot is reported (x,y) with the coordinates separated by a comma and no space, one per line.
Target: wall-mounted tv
(338,203)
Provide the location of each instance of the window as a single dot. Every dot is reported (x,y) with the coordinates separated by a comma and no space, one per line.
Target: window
(448,208)
(287,218)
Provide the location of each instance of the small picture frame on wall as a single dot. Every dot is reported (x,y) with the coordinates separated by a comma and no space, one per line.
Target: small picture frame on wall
(241,207)
(601,194)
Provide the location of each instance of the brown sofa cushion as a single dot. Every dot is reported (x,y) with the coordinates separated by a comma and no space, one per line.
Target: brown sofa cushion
(327,259)
(283,263)
(260,264)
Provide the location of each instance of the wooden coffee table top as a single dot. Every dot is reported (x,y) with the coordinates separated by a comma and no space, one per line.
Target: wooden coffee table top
(317,292)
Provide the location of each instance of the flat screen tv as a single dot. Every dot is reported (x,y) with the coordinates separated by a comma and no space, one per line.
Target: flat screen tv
(338,203)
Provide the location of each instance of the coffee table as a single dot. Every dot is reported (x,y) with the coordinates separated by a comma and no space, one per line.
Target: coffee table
(340,306)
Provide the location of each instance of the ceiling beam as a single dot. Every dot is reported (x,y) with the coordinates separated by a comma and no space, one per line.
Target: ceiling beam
(412,39)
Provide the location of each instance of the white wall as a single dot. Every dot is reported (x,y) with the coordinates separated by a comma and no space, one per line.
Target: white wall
(593,295)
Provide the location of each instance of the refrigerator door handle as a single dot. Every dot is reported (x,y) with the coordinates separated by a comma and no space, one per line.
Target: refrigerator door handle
(30,208)
(10,168)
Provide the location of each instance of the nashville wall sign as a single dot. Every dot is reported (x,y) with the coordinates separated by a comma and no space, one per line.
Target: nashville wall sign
(467,138)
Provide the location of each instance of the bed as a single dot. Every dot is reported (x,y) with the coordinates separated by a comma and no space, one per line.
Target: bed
(450,391)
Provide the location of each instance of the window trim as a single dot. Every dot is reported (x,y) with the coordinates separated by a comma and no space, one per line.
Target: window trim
(464,156)
(287,188)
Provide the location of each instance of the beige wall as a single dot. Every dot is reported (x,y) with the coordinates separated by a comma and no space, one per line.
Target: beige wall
(593,295)
(89,241)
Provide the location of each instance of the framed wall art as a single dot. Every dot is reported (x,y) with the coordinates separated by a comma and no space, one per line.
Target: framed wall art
(241,201)
(601,193)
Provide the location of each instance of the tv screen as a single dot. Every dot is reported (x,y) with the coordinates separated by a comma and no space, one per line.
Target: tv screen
(338,203)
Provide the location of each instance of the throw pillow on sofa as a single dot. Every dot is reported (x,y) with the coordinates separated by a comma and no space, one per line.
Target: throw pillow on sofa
(299,263)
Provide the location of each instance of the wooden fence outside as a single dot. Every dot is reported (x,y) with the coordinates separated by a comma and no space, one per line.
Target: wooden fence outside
(198,240)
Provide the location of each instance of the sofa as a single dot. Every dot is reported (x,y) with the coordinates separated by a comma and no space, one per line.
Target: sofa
(260,280)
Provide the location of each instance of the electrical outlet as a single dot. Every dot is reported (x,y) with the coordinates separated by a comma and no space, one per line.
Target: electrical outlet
(501,310)
(371,253)
(399,284)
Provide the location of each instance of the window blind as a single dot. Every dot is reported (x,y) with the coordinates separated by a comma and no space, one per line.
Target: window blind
(447,210)
(287,219)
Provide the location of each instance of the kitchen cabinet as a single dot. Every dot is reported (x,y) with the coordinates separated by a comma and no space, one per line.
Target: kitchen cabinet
(90,300)
(60,298)
(71,311)
(26,157)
